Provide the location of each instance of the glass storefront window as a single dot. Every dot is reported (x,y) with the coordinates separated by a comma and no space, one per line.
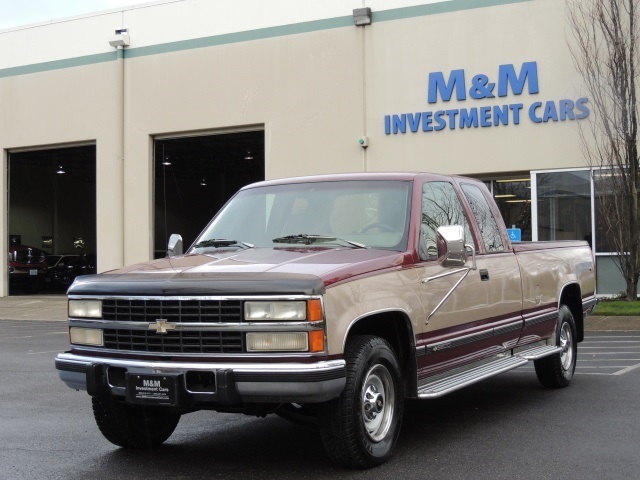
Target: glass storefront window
(513,197)
(605,183)
(564,205)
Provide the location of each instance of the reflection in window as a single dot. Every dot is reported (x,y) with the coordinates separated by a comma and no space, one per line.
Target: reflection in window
(374,213)
(606,183)
(564,206)
(513,197)
(440,206)
(484,217)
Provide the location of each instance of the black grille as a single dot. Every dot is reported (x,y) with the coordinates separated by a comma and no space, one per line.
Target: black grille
(173,341)
(174,311)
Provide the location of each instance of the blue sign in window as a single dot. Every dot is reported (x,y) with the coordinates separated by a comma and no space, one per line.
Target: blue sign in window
(515,235)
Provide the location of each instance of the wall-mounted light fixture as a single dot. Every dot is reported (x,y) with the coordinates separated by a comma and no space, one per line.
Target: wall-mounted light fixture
(248,155)
(60,170)
(362,16)
(120,39)
(203,182)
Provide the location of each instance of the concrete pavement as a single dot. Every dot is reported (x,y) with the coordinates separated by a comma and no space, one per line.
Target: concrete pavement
(34,307)
(54,308)
(612,324)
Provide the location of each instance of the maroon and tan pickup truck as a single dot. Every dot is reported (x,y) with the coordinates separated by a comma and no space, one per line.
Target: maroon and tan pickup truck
(327,300)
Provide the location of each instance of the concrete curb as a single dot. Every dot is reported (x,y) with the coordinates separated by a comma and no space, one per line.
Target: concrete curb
(612,324)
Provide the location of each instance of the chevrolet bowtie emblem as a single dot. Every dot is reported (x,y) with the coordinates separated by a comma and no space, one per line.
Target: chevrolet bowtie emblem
(161,326)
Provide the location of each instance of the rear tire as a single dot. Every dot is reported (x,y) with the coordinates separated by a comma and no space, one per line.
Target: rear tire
(556,371)
(132,426)
(359,429)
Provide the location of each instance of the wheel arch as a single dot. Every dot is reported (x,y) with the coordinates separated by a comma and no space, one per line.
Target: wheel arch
(571,296)
(396,328)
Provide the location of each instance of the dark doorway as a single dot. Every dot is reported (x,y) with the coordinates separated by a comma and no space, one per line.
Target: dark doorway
(52,218)
(195,176)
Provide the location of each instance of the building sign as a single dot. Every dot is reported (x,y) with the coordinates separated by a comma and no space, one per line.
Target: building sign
(462,87)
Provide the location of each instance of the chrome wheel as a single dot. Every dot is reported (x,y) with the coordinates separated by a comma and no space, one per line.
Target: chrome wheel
(566,342)
(377,404)
(556,371)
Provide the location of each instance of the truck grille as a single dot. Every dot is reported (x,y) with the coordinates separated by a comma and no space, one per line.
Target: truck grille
(174,311)
(174,341)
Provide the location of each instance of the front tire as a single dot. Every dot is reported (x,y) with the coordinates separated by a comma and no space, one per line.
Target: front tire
(556,371)
(132,426)
(359,429)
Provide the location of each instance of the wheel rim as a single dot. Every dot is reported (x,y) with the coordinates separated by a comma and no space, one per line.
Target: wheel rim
(566,342)
(378,402)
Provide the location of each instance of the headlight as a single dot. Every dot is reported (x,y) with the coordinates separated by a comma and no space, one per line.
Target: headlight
(254,311)
(86,336)
(85,308)
(277,342)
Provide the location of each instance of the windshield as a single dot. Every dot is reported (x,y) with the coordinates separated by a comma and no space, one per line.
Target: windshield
(351,214)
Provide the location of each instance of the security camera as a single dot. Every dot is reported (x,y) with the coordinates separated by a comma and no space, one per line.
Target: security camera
(120,39)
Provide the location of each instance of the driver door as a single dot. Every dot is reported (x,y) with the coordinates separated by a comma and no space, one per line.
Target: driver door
(457,303)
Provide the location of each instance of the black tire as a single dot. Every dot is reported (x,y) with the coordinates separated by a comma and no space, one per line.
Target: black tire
(132,426)
(359,429)
(556,371)
(306,415)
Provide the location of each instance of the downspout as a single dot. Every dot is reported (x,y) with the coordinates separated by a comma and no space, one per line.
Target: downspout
(362,18)
(121,40)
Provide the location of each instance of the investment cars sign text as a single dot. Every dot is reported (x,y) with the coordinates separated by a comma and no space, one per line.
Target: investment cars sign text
(509,82)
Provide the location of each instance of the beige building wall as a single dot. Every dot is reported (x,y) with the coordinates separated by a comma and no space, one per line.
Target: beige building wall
(65,107)
(301,89)
(311,79)
(401,54)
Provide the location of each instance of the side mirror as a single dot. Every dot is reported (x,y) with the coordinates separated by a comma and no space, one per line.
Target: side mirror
(175,245)
(450,240)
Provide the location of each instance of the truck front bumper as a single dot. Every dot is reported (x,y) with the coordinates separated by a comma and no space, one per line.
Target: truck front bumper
(224,384)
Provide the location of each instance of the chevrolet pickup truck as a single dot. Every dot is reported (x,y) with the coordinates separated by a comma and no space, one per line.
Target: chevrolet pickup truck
(327,300)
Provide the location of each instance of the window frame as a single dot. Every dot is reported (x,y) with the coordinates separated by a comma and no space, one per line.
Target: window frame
(465,212)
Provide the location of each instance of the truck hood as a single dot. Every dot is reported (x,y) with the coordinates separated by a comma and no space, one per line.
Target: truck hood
(256,271)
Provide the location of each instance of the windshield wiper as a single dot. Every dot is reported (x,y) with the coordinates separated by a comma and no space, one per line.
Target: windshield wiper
(221,242)
(308,239)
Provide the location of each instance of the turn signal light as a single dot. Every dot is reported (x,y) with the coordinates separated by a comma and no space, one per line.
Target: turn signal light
(316,341)
(314,310)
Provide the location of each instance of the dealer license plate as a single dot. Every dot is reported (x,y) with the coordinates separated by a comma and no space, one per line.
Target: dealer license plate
(151,389)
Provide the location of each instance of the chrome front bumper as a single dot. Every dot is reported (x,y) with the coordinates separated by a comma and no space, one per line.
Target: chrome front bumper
(234,382)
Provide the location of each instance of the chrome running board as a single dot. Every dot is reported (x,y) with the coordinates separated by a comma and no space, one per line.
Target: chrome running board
(456,381)
(538,352)
(449,382)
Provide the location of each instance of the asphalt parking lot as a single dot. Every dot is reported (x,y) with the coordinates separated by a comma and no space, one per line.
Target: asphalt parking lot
(507,427)
(609,353)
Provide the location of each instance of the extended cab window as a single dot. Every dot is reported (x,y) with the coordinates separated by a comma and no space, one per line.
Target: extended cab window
(484,216)
(440,206)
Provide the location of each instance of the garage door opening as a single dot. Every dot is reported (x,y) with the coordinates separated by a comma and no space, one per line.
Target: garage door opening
(52,218)
(195,176)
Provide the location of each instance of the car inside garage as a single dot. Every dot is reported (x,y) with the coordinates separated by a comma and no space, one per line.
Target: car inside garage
(52,213)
